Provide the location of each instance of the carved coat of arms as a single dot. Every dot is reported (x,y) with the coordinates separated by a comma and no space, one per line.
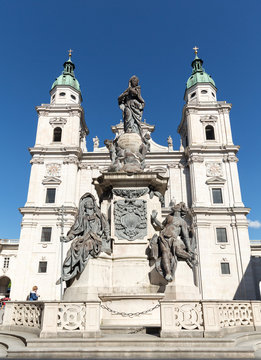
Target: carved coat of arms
(130,219)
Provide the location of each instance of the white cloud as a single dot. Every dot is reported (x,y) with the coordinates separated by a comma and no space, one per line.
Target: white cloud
(254,224)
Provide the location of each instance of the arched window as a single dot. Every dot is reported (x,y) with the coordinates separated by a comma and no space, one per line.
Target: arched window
(210,135)
(57,134)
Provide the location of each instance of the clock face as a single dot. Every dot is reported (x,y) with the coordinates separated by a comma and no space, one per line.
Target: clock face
(53,169)
(214,169)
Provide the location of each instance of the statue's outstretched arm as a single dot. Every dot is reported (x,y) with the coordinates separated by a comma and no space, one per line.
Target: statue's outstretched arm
(155,221)
(122,96)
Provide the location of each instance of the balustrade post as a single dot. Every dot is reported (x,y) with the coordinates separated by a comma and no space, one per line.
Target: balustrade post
(92,319)
(167,317)
(49,319)
(256,311)
(8,314)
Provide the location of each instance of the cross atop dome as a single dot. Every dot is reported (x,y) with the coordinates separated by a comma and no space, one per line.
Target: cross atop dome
(196,50)
(70,53)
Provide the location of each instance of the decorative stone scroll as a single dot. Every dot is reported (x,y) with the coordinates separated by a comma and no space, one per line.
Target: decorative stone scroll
(208,119)
(58,121)
(130,219)
(71,160)
(130,193)
(37,160)
(237,314)
(71,317)
(230,158)
(27,315)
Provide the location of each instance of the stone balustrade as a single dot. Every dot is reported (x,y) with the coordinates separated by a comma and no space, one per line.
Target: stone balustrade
(177,318)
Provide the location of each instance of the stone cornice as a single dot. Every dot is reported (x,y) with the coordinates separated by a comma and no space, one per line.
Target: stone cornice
(111,180)
(55,150)
(168,156)
(219,210)
(47,210)
(221,149)
(208,105)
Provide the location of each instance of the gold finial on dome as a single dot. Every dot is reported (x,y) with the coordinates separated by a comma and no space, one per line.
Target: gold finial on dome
(70,53)
(195,49)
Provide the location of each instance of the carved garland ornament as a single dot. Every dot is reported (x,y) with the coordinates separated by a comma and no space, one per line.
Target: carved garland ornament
(129,193)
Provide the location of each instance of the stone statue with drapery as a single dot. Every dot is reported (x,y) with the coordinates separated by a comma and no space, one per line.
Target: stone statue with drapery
(89,235)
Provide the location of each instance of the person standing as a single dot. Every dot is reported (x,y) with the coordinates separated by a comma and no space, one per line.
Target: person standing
(33,294)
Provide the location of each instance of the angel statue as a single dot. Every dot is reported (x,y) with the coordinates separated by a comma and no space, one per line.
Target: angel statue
(173,243)
(89,235)
(132,105)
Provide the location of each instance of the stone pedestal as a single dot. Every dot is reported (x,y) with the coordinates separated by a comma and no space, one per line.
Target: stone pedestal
(126,277)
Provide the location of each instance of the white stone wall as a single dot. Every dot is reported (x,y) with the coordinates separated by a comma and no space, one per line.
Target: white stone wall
(68,167)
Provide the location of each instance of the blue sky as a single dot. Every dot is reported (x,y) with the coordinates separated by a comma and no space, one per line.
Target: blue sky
(113,40)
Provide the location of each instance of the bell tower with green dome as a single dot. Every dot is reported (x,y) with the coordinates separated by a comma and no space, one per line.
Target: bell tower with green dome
(214,187)
(59,146)
(66,88)
(200,85)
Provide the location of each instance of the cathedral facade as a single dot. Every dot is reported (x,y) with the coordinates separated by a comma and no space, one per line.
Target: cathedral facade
(202,174)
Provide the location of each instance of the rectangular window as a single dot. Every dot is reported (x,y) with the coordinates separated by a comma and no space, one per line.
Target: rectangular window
(50,196)
(221,235)
(6,262)
(42,267)
(225,268)
(46,234)
(217,196)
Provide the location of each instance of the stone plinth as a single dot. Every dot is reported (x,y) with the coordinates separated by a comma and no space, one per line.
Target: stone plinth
(128,201)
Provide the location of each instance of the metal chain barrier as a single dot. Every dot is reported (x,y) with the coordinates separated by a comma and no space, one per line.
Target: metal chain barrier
(131,315)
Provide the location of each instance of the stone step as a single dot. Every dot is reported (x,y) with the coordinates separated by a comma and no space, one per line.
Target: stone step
(130,330)
(131,352)
(136,340)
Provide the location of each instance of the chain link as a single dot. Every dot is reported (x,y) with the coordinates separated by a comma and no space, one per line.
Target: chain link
(131,315)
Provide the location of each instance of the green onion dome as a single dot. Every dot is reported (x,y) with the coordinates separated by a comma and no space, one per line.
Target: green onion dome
(198,74)
(67,77)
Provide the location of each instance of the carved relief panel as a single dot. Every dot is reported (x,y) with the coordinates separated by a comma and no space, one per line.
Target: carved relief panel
(130,219)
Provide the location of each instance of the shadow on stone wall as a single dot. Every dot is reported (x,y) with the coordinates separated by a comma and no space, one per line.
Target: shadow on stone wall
(248,288)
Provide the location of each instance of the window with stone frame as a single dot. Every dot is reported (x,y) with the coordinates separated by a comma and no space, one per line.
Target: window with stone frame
(57,134)
(50,195)
(225,268)
(46,234)
(42,268)
(210,133)
(221,235)
(217,196)
(6,262)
